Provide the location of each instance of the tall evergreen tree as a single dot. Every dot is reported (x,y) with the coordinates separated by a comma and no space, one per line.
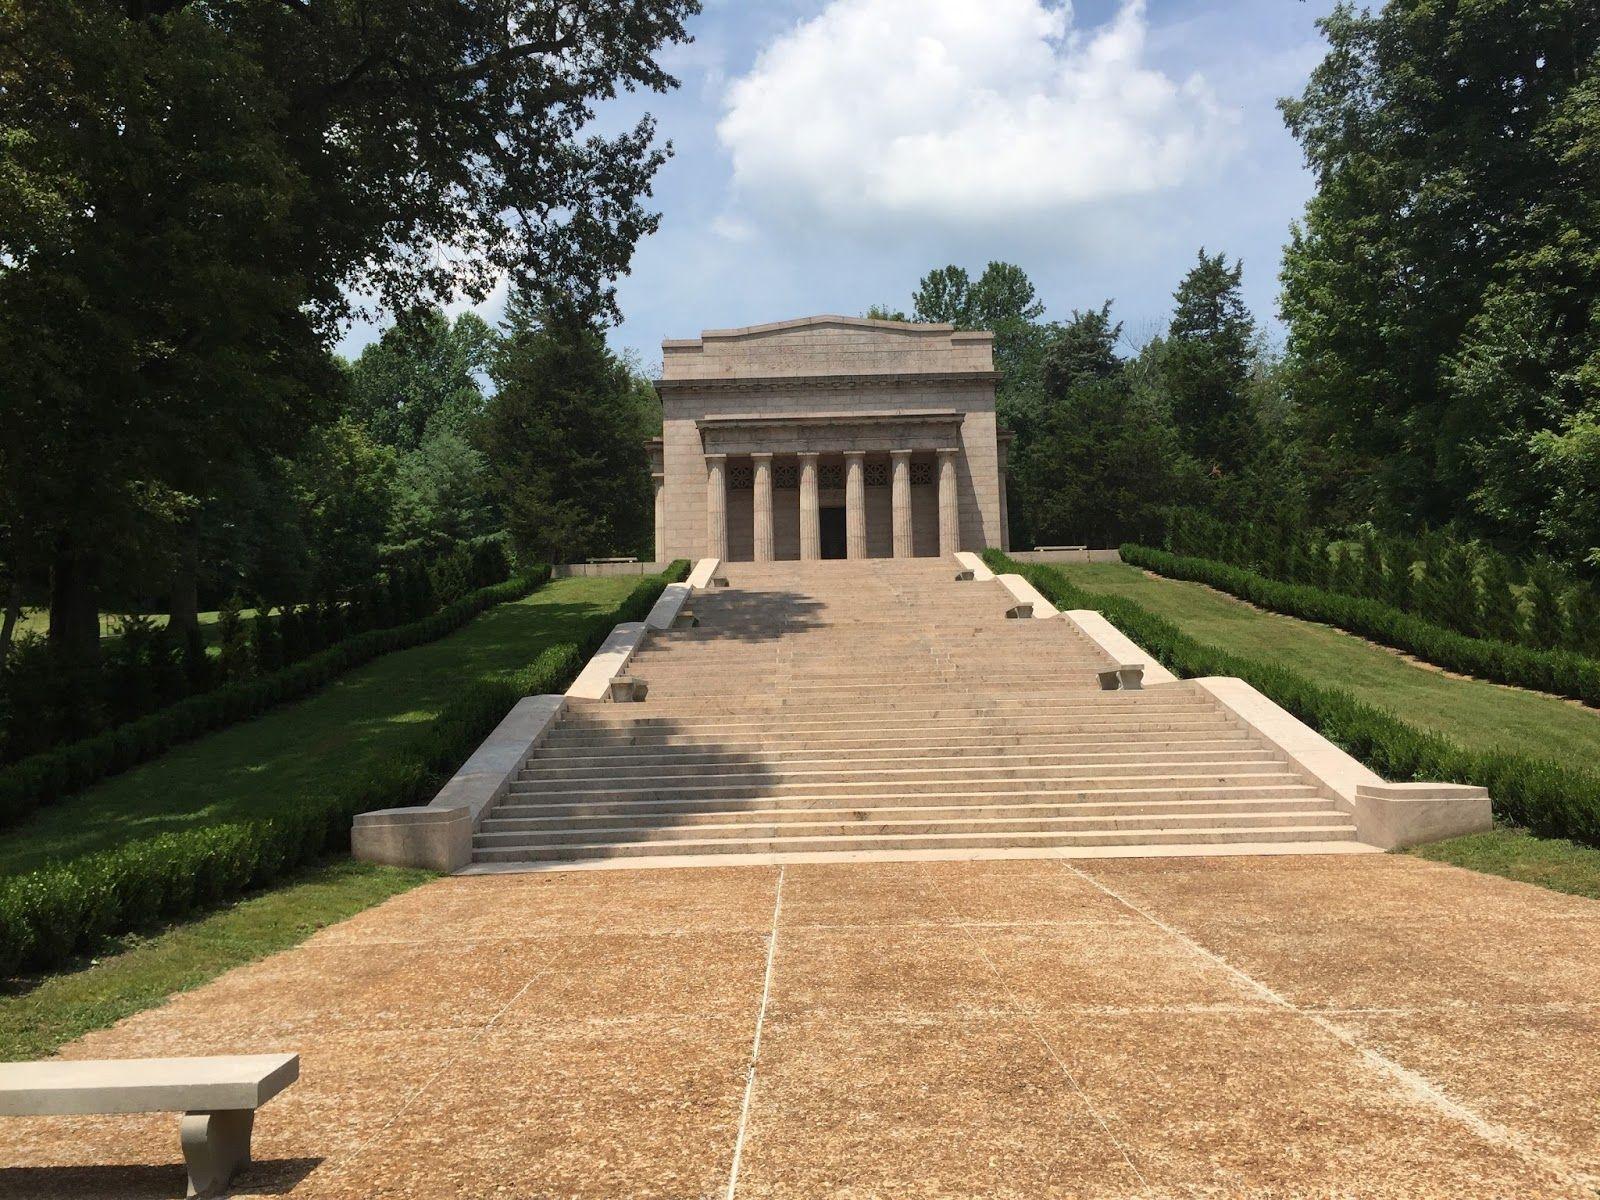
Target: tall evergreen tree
(1207,367)
(1101,464)
(563,441)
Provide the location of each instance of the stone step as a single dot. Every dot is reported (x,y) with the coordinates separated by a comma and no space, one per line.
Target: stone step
(846,744)
(702,765)
(533,818)
(1176,834)
(892,826)
(642,718)
(882,706)
(938,703)
(943,775)
(883,733)
(1236,783)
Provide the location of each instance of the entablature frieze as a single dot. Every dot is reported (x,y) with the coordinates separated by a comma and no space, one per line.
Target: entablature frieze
(831,433)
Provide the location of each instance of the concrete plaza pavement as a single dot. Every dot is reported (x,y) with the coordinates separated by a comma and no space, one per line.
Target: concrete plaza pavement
(1292,1026)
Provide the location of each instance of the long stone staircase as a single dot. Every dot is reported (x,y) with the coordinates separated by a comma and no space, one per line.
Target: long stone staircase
(881,706)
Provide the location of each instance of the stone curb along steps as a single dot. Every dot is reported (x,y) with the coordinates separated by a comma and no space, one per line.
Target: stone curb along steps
(895,708)
(438,836)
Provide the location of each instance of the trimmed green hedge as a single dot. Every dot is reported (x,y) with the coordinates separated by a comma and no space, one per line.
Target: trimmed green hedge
(48,702)
(1545,796)
(48,916)
(47,777)
(1559,671)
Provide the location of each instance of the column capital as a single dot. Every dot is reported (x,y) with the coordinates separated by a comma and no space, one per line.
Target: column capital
(761,454)
(899,454)
(947,450)
(811,454)
(854,454)
(718,457)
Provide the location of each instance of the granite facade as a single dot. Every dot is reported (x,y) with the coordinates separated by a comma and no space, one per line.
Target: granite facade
(826,385)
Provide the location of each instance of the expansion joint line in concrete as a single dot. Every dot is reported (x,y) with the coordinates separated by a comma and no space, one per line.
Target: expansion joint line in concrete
(1414,1085)
(449,1063)
(755,1044)
(1049,1048)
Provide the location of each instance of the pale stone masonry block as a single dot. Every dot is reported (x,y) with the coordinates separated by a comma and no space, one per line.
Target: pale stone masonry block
(1117,645)
(1389,815)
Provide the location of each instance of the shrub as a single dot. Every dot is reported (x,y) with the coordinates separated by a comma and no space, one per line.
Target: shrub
(1548,797)
(48,916)
(1558,671)
(47,777)
(145,669)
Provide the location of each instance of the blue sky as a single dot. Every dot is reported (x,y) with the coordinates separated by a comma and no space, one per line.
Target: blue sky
(829,152)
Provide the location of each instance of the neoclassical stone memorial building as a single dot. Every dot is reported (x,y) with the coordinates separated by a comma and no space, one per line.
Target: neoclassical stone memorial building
(828,437)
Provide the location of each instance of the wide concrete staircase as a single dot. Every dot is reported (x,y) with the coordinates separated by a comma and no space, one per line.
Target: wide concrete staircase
(881,706)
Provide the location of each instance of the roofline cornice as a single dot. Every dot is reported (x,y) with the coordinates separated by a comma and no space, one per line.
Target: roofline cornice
(793,383)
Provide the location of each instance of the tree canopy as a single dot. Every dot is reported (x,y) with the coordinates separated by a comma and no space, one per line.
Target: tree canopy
(192,193)
(564,439)
(1440,291)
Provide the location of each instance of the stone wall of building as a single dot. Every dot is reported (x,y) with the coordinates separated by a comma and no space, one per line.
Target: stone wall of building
(830,368)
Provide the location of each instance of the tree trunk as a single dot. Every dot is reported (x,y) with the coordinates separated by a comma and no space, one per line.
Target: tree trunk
(183,609)
(8,624)
(75,603)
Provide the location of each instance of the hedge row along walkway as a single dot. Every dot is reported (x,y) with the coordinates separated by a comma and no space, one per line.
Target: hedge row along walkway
(313,745)
(1298,1026)
(1472,711)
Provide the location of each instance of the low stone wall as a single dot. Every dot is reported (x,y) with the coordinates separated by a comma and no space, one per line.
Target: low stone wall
(438,836)
(567,570)
(1066,556)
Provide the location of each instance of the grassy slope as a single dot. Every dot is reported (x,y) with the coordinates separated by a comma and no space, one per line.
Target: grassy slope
(313,744)
(36,1022)
(1469,710)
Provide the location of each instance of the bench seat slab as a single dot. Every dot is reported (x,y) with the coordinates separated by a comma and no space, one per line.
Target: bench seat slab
(58,1087)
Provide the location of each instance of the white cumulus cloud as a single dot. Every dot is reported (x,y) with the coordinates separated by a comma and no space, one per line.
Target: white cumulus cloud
(971,111)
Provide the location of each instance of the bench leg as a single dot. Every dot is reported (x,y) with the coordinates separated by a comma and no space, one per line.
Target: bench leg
(215,1146)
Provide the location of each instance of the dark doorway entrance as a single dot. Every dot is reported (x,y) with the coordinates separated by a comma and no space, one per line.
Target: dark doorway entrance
(831,527)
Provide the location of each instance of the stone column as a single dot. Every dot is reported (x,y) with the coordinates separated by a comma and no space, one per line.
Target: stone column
(810,520)
(901,498)
(717,506)
(949,505)
(855,504)
(763,507)
(1005,517)
(661,517)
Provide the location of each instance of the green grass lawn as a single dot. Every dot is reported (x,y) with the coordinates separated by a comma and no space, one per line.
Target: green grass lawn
(310,746)
(1553,863)
(1473,712)
(38,1018)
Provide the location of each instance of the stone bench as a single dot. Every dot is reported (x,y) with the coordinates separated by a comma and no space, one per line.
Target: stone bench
(218,1097)
(605,562)
(1056,549)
